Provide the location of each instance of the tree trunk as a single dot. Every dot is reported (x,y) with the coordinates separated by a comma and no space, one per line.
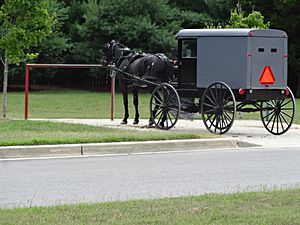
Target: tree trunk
(4,97)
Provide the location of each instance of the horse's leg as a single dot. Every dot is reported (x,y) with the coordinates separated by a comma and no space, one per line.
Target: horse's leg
(135,93)
(125,102)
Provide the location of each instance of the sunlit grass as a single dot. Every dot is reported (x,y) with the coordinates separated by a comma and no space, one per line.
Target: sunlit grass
(276,207)
(84,104)
(34,132)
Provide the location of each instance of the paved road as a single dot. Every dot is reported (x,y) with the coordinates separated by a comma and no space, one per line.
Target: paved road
(94,179)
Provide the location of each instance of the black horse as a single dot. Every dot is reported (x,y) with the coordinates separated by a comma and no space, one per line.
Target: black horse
(152,67)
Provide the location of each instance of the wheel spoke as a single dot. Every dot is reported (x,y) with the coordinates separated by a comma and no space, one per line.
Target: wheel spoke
(291,100)
(268,114)
(161,95)
(227,99)
(214,115)
(156,104)
(286,114)
(166,119)
(208,117)
(229,111)
(157,113)
(224,121)
(228,116)
(284,119)
(281,122)
(277,123)
(170,118)
(224,94)
(209,111)
(160,118)
(270,120)
(287,109)
(274,103)
(212,106)
(215,101)
(273,122)
(217,123)
(171,108)
(157,99)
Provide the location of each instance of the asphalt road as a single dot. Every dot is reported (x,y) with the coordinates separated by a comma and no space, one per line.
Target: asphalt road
(25,183)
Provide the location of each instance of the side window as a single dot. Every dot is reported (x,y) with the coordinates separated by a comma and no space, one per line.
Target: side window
(189,49)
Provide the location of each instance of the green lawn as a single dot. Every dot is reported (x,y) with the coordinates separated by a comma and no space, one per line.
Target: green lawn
(83,104)
(276,207)
(72,104)
(34,132)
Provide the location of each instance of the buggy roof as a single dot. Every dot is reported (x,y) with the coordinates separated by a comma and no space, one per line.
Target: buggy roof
(185,33)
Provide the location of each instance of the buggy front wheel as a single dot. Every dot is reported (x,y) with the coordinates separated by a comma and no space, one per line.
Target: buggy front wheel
(164,106)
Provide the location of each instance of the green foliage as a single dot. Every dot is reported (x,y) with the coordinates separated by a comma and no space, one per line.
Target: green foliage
(55,47)
(220,9)
(23,24)
(253,20)
(144,25)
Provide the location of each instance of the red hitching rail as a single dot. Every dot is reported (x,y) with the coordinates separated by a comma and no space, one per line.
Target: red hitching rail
(66,66)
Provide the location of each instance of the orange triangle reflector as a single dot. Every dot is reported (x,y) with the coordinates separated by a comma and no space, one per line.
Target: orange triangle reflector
(267,76)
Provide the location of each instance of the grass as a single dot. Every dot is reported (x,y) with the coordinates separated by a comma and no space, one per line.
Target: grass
(72,104)
(35,132)
(275,207)
(83,104)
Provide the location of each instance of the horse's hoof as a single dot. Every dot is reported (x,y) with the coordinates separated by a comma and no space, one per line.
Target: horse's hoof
(151,123)
(123,122)
(135,122)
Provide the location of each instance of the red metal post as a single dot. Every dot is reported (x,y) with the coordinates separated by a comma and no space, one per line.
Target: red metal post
(112,103)
(27,70)
(26,90)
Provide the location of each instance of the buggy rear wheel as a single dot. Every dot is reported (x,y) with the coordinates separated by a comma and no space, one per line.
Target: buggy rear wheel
(218,108)
(278,115)
(164,106)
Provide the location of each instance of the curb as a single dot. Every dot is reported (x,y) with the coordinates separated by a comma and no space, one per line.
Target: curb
(116,148)
(39,151)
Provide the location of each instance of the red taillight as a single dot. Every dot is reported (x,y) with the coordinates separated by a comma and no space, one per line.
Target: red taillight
(242,91)
(287,92)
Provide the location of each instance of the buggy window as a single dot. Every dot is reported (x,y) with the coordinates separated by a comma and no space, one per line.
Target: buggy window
(189,49)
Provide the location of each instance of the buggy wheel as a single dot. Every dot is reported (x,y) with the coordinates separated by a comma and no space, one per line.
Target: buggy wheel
(218,108)
(164,106)
(278,115)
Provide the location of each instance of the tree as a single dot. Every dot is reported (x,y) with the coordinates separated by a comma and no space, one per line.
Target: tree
(253,20)
(55,47)
(23,24)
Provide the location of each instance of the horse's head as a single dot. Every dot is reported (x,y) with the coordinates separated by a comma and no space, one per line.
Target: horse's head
(114,50)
